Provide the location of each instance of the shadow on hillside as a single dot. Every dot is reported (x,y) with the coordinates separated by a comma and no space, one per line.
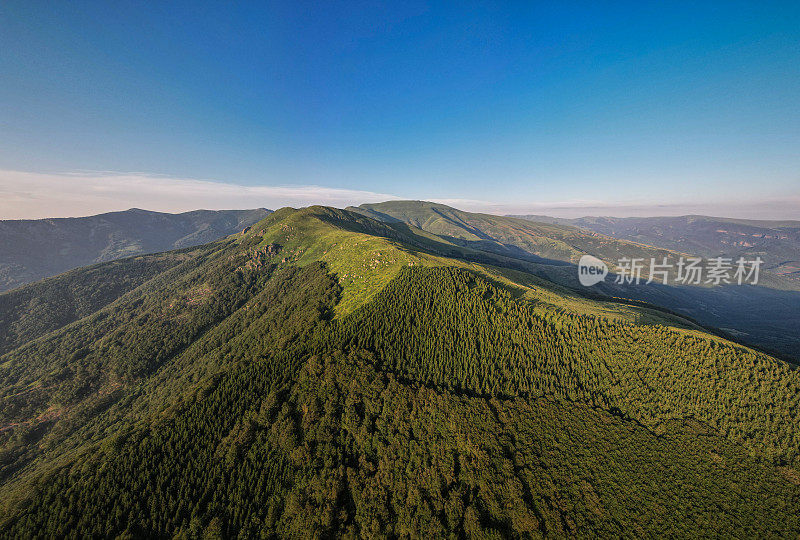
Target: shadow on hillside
(768,319)
(761,317)
(480,251)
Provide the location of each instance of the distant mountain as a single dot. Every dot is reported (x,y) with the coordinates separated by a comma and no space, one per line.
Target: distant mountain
(326,375)
(767,315)
(34,249)
(776,242)
(511,237)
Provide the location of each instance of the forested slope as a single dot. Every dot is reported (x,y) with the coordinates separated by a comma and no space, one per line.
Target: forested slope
(325,375)
(36,309)
(520,238)
(33,249)
(766,315)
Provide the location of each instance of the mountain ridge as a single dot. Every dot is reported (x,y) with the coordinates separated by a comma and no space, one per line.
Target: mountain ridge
(34,249)
(323,373)
(776,242)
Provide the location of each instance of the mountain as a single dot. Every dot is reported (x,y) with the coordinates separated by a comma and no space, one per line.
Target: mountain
(511,237)
(767,315)
(328,374)
(776,242)
(34,249)
(42,307)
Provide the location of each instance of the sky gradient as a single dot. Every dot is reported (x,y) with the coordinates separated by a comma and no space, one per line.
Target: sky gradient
(616,109)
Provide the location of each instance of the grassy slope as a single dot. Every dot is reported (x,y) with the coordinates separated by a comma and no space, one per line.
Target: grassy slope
(364,264)
(553,242)
(763,316)
(512,236)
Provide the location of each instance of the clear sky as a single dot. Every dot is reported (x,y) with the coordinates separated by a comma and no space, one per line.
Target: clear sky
(564,108)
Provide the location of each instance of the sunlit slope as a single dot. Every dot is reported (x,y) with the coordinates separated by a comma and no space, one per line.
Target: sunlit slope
(328,374)
(765,316)
(545,243)
(520,238)
(366,254)
(363,253)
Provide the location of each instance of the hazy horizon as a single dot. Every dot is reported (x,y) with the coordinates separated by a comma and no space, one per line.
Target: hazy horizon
(41,196)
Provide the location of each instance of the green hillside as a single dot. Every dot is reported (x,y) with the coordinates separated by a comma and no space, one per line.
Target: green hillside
(39,308)
(766,316)
(537,242)
(550,240)
(326,374)
(33,249)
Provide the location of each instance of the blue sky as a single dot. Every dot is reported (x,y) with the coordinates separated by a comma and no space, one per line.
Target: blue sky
(613,108)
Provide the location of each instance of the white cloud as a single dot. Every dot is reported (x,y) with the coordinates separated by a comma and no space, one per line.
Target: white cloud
(26,195)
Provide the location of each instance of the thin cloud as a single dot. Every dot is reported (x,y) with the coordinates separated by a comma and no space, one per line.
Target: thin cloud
(784,208)
(26,195)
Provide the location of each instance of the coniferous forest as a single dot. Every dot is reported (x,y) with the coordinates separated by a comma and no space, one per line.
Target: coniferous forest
(323,376)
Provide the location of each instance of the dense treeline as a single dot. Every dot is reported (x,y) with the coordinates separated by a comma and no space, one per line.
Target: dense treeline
(59,381)
(40,308)
(124,341)
(442,408)
(350,451)
(451,329)
(263,347)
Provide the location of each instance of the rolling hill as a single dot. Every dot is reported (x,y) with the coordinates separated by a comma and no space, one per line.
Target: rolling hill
(511,237)
(328,374)
(767,315)
(34,249)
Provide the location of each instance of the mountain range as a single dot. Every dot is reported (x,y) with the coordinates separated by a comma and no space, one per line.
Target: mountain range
(34,249)
(402,369)
(777,242)
(767,315)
